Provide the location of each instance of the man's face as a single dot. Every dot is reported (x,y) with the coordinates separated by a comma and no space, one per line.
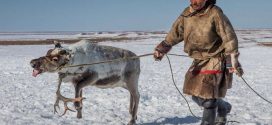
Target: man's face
(198,4)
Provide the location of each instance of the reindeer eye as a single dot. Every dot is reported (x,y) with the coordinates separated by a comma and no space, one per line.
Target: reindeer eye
(55,59)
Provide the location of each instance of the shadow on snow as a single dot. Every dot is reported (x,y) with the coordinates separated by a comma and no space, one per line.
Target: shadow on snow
(174,120)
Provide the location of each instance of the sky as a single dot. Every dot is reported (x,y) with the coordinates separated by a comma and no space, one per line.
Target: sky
(119,15)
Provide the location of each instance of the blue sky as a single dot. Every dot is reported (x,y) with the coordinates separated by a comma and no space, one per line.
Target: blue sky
(119,15)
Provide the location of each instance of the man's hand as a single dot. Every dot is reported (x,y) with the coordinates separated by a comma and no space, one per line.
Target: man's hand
(238,71)
(161,50)
(236,66)
(158,56)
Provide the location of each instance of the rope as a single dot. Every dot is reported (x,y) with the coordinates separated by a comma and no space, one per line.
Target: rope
(149,54)
(117,60)
(255,91)
(135,57)
(107,61)
(199,118)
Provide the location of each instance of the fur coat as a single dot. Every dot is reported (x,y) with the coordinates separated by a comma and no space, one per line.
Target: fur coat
(209,39)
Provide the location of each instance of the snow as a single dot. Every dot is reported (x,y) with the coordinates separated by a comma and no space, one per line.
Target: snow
(27,100)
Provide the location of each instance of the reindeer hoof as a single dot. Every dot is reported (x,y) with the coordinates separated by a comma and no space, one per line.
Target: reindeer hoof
(132,122)
(79,114)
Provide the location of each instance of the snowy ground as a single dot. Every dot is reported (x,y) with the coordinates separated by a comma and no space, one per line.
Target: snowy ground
(26,100)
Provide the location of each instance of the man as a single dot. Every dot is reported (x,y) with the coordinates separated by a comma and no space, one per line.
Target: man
(210,40)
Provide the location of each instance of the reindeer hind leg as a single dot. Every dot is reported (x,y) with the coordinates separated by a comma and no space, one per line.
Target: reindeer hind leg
(132,86)
(135,96)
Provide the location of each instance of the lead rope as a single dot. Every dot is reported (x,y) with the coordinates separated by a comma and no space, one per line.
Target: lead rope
(135,57)
(149,54)
(107,61)
(115,60)
(170,65)
(255,91)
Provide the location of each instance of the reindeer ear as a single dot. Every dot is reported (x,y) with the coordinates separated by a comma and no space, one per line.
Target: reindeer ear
(57,44)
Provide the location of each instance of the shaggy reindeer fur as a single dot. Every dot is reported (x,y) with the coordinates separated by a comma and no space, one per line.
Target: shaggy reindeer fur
(107,75)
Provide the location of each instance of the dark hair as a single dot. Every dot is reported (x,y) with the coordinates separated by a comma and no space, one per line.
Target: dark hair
(211,2)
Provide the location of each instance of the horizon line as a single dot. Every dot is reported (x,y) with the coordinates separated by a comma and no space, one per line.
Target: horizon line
(48,31)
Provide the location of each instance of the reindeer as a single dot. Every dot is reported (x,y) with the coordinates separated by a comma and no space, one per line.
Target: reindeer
(106,75)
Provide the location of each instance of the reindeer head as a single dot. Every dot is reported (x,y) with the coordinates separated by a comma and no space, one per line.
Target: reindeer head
(51,62)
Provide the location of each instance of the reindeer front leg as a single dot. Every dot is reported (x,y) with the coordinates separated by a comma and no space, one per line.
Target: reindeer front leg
(78,105)
(64,99)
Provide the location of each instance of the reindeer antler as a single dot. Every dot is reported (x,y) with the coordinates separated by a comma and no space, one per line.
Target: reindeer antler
(64,99)
(65,102)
